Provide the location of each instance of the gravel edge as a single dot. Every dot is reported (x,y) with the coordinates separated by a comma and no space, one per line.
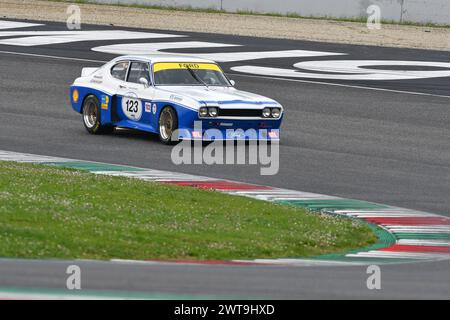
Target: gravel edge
(234,24)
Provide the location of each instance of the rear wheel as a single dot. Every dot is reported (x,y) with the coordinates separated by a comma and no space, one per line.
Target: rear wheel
(168,123)
(92,117)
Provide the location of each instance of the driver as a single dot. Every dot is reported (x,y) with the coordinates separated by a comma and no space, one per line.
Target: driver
(210,78)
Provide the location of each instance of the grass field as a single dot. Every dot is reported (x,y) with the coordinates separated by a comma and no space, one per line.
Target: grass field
(46,212)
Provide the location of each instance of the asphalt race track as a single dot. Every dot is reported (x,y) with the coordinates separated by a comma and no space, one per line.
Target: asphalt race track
(384,141)
(421,280)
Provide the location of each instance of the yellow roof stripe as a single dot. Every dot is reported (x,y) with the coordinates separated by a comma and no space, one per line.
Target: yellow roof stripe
(184,65)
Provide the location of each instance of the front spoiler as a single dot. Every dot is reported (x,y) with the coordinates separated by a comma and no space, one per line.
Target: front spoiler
(230,134)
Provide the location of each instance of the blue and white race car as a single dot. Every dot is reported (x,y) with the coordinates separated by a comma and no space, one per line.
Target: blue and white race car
(174,96)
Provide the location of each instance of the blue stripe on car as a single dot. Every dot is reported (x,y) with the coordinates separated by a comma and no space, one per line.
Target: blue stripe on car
(186,115)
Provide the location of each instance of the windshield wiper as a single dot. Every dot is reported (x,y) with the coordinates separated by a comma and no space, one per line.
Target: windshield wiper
(196,77)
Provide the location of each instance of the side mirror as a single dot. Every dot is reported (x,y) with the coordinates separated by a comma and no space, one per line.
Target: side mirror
(233,83)
(144,82)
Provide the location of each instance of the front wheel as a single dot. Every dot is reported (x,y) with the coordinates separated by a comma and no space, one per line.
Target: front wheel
(92,117)
(168,124)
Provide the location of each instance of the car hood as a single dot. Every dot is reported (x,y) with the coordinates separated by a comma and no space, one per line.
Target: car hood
(225,97)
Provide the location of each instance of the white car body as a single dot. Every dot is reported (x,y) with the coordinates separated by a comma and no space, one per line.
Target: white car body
(236,109)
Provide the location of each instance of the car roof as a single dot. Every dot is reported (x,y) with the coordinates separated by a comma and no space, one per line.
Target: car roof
(168,57)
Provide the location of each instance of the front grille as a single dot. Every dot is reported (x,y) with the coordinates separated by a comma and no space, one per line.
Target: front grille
(240,113)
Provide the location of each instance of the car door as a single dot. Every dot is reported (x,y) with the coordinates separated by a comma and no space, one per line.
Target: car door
(135,97)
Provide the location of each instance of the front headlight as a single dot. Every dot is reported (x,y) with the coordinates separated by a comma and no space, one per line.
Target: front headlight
(266,112)
(212,112)
(276,113)
(203,112)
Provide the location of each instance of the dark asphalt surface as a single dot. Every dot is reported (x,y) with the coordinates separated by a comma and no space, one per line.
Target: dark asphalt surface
(411,281)
(379,146)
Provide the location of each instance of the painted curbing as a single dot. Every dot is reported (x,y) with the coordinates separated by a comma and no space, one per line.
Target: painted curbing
(404,235)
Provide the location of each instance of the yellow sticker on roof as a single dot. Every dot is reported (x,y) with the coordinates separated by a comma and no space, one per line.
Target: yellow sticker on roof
(185,65)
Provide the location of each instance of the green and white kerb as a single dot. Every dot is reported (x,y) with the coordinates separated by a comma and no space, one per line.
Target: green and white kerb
(404,235)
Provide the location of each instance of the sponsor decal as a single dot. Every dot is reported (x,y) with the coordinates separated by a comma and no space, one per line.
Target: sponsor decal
(274,134)
(182,65)
(154,108)
(197,134)
(132,108)
(236,134)
(97,79)
(75,96)
(148,107)
(105,102)
(176,98)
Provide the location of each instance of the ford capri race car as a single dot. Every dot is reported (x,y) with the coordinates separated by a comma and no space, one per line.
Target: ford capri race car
(177,97)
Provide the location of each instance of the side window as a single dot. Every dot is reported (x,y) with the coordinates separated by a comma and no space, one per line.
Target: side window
(139,70)
(119,71)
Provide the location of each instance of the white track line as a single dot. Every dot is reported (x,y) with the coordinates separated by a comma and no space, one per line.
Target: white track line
(387,211)
(421,227)
(43,296)
(342,85)
(431,243)
(399,255)
(29,158)
(245,75)
(419,230)
(156,176)
(5,24)
(300,262)
(384,215)
(50,56)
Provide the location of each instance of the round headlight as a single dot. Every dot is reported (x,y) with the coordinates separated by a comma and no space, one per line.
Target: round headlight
(213,112)
(203,112)
(266,112)
(276,112)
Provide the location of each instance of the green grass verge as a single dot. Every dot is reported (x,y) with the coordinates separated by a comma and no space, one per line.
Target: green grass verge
(48,212)
(292,15)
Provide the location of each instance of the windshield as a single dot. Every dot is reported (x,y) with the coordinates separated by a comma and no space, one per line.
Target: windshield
(189,74)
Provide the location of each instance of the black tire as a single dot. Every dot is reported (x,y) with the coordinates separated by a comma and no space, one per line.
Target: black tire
(92,117)
(167,124)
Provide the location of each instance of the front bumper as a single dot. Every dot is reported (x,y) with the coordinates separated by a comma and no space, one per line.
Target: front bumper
(226,129)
